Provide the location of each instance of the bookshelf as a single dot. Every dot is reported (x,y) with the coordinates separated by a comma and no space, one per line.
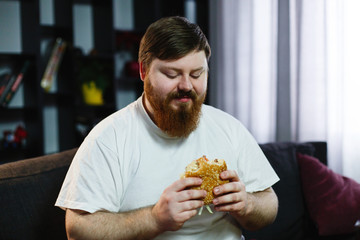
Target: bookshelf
(103,31)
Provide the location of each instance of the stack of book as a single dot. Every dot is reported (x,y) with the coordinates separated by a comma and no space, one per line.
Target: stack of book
(10,82)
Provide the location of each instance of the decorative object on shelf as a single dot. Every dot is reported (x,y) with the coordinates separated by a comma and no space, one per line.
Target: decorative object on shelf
(94,79)
(132,69)
(13,85)
(127,44)
(92,94)
(14,139)
(53,64)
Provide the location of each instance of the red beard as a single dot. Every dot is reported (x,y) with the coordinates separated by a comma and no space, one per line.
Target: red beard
(175,122)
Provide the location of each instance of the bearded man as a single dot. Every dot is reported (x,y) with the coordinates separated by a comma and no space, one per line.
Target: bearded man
(124,180)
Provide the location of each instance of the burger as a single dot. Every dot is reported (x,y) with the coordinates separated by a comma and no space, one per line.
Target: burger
(209,171)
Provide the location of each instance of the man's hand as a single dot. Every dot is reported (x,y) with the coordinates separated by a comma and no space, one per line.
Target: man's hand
(178,204)
(252,210)
(230,197)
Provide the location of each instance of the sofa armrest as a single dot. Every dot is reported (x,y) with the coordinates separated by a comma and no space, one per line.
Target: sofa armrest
(28,190)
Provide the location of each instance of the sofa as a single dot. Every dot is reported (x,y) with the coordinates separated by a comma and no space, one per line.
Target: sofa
(29,188)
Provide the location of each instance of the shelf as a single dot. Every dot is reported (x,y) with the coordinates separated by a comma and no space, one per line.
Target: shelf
(66,104)
(95,57)
(15,58)
(61,99)
(15,112)
(11,56)
(87,111)
(55,31)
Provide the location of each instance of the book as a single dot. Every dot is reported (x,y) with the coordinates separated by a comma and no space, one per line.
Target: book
(5,75)
(13,85)
(53,64)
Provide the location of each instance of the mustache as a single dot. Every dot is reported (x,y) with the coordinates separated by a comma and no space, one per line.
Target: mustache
(180,94)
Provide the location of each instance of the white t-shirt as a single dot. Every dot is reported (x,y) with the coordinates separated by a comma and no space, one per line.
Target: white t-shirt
(126,162)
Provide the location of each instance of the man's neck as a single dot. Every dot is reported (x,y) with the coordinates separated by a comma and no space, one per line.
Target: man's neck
(148,108)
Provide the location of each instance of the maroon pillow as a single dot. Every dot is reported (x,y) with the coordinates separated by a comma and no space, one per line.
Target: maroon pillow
(333,200)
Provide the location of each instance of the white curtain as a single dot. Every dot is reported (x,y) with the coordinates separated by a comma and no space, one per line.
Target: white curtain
(289,70)
(245,61)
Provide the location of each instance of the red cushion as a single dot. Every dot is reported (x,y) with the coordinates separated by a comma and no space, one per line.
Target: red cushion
(333,200)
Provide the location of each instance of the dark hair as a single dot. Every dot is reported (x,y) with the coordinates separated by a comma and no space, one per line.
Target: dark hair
(171,38)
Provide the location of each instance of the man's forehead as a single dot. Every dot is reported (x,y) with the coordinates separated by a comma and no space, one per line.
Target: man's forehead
(194,60)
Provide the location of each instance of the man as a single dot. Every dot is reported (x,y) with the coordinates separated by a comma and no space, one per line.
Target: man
(124,182)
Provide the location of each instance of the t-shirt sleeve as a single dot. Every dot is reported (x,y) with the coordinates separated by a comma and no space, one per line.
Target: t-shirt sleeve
(94,180)
(253,167)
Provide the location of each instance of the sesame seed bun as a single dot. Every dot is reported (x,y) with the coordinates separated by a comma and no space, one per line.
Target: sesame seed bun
(209,172)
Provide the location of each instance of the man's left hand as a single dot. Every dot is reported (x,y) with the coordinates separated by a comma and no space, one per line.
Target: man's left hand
(231,197)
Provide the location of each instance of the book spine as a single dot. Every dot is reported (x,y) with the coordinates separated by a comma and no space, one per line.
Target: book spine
(5,75)
(4,83)
(6,90)
(14,84)
(53,64)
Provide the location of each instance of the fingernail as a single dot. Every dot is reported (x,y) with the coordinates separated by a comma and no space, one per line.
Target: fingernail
(216,190)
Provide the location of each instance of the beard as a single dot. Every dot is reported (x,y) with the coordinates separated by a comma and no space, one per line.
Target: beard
(178,122)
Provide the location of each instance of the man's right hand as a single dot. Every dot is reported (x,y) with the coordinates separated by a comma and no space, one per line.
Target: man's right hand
(178,203)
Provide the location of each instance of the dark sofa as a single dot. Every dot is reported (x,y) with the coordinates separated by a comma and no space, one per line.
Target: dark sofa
(29,188)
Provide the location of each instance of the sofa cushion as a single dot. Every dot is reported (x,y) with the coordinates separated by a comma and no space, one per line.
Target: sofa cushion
(289,221)
(28,191)
(333,200)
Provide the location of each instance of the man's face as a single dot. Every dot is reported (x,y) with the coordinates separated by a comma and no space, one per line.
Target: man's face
(175,91)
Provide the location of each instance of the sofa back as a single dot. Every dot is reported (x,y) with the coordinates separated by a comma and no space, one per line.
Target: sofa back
(293,221)
(28,191)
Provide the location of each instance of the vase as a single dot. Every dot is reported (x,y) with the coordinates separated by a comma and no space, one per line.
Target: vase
(92,95)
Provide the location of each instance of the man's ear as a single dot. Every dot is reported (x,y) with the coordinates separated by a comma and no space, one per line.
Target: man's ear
(142,71)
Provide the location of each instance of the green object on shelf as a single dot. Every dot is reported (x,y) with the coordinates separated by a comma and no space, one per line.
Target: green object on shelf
(93,78)
(92,95)
(94,72)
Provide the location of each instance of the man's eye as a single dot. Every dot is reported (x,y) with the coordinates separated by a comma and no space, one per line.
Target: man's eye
(171,75)
(196,76)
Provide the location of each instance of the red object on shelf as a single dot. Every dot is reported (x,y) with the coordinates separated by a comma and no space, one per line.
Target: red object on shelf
(132,69)
(20,134)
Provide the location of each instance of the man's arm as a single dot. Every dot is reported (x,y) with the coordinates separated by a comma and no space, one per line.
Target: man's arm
(176,205)
(252,210)
(138,224)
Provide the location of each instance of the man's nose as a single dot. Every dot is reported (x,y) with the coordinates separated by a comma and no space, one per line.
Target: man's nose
(185,83)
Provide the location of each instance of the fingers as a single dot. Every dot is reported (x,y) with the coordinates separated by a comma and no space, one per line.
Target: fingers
(191,205)
(230,175)
(184,216)
(183,198)
(191,194)
(235,185)
(231,201)
(184,183)
(177,203)
(188,199)
(230,196)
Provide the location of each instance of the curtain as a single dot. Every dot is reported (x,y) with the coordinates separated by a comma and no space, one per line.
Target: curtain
(289,71)
(245,41)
